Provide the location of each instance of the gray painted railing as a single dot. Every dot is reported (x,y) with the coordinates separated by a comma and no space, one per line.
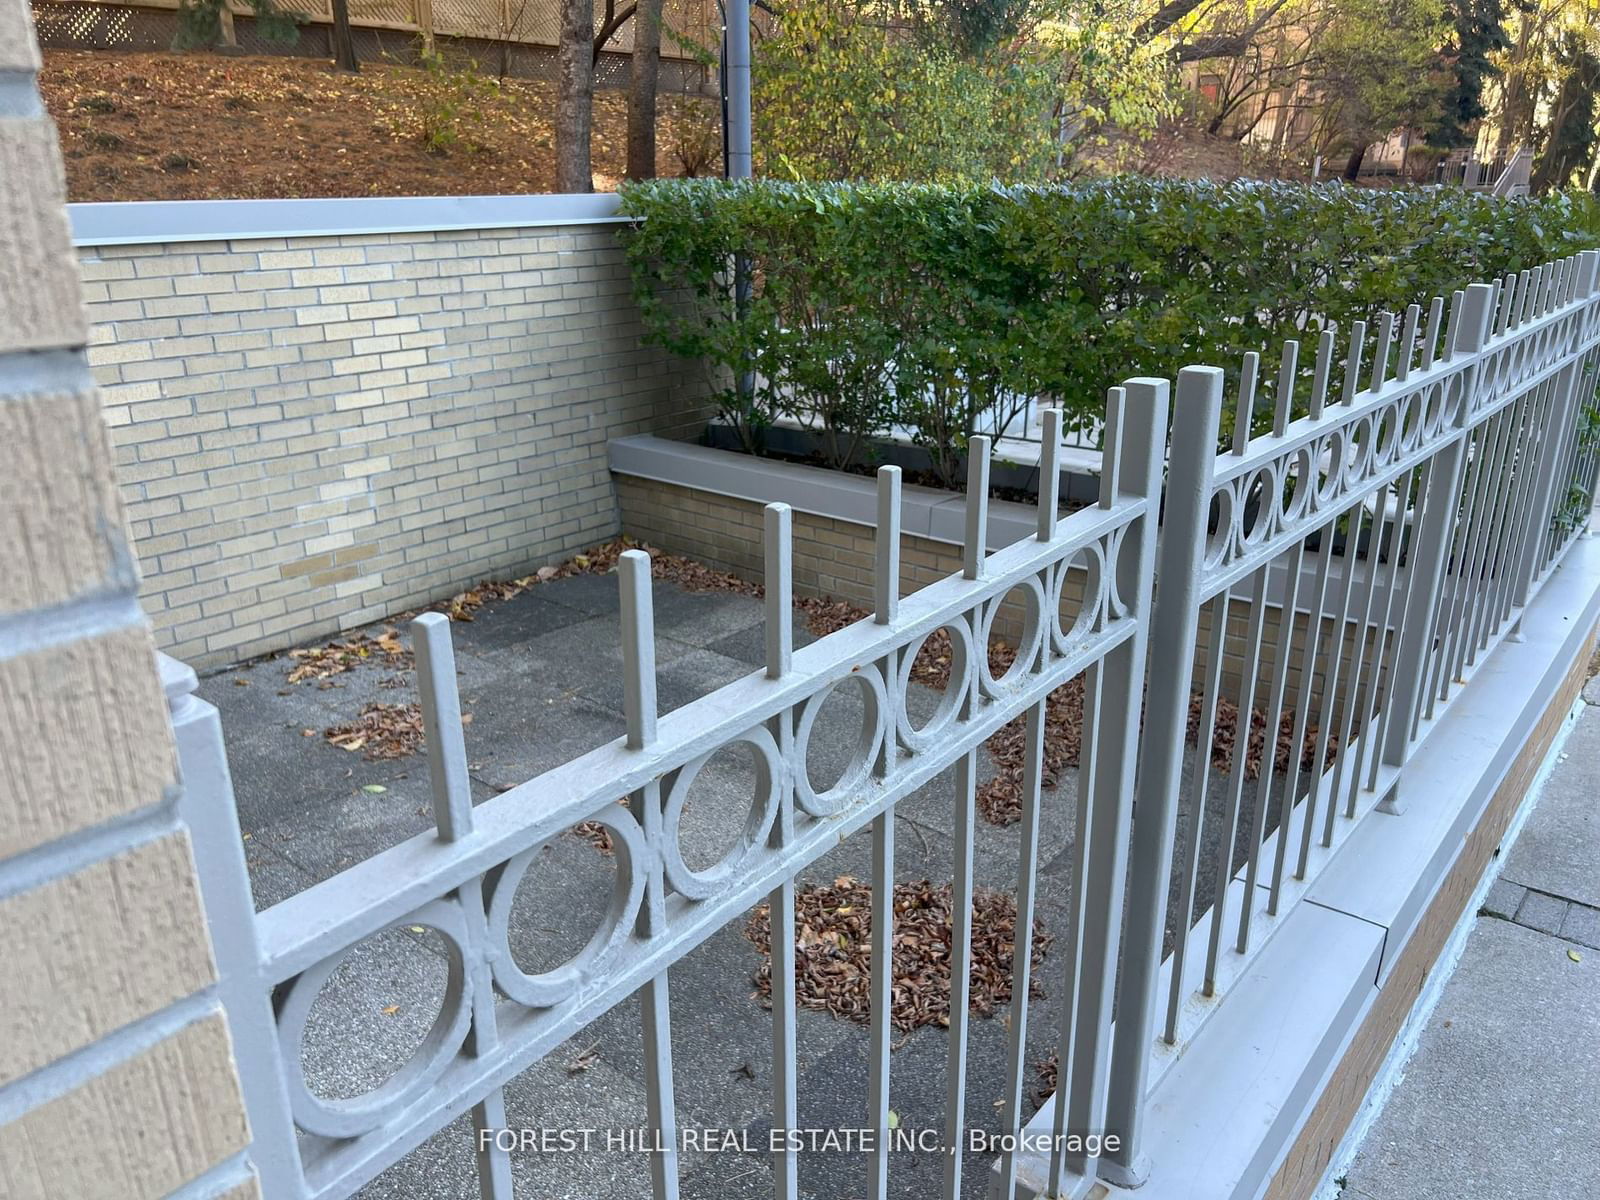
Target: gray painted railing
(1443,475)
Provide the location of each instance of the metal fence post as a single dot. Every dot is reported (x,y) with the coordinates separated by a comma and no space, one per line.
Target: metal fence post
(1173,628)
(207,808)
(1556,438)
(1430,540)
(1141,452)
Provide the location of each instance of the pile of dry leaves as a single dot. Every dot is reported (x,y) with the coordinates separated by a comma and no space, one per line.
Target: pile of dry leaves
(382,731)
(833,951)
(1000,799)
(346,654)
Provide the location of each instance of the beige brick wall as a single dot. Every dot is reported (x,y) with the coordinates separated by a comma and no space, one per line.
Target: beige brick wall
(312,433)
(116,1075)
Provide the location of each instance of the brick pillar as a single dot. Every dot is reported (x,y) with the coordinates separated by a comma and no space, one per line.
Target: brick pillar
(116,1073)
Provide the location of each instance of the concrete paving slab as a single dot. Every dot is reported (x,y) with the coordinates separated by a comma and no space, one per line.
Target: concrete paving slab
(1502,1097)
(522,618)
(1558,851)
(350,824)
(1582,926)
(1541,912)
(696,673)
(509,744)
(1503,900)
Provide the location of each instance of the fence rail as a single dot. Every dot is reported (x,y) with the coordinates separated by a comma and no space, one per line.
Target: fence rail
(1404,520)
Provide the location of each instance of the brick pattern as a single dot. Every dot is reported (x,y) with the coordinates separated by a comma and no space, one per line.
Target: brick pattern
(127,931)
(144,1128)
(92,736)
(312,433)
(1341,1099)
(61,524)
(39,306)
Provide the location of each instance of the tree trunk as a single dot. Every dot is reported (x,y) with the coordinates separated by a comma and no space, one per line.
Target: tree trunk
(642,80)
(575,97)
(1352,166)
(344,45)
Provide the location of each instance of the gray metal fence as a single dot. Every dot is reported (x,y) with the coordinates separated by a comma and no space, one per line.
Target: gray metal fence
(1396,529)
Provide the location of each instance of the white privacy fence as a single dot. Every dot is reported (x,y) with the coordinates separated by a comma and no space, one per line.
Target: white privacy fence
(1398,528)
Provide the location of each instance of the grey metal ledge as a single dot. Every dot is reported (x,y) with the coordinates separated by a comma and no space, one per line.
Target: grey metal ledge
(926,512)
(153,222)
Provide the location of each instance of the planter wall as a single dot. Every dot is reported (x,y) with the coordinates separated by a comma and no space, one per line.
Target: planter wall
(706,503)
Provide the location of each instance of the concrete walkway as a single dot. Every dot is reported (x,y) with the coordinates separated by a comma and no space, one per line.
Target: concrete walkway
(1502,1096)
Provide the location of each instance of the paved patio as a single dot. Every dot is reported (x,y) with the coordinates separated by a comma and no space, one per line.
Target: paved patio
(1502,1096)
(540,677)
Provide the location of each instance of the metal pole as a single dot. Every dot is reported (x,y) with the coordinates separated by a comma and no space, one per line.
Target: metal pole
(1174,625)
(738,88)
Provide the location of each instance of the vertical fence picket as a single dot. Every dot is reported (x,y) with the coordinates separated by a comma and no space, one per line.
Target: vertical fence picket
(886,574)
(1302,721)
(452,815)
(1408,343)
(1352,362)
(778,597)
(1244,412)
(1174,620)
(1322,373)
(1050,475)
(975,546)
(882,986)
(961,887)
(1022,941)
(1283,400)
(1069,1108)
(886,561)
(1430,339)
(639,712)
(1380,352)
(441,725)
(1141,450)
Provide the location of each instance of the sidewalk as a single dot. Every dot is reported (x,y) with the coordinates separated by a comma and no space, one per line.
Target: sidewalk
(1502,1096)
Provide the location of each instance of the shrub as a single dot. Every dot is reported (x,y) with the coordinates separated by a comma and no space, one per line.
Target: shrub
(450,102)
(935,306)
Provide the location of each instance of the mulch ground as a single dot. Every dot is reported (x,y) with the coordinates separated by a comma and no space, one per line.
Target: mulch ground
(200,126)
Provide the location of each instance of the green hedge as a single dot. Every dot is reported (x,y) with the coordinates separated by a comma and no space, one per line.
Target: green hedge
(934,306)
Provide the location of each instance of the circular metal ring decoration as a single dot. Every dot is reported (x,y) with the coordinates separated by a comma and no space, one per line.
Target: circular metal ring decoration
(1091,558)
(1298,495)
(955,691)
(345,1118)
(1219,539)
(1259,506)
(547,988)
(1032,589)
(874,723)
(1359,439)
(702,885)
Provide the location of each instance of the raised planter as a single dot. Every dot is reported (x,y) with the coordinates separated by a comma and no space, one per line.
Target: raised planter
(706,503)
